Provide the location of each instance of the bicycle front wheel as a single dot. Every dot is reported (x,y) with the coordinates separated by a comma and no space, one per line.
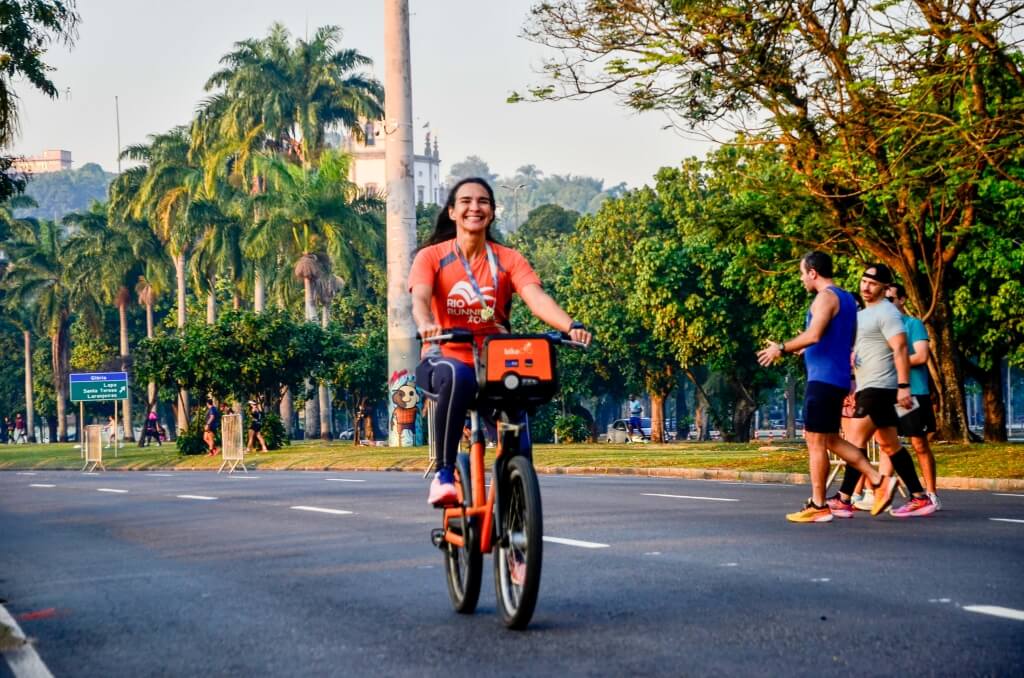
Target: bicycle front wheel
(517,561)
(464,564)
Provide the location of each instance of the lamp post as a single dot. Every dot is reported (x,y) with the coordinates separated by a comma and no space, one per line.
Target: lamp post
(515,201)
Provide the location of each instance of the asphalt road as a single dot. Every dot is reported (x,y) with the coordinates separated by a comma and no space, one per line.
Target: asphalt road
(135,574)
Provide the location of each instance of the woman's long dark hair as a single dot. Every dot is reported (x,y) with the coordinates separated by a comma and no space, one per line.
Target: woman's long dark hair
(444,227)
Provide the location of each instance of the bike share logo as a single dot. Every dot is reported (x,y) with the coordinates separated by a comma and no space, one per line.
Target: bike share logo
(462,301)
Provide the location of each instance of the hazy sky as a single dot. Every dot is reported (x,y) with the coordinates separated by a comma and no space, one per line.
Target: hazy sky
(466,59)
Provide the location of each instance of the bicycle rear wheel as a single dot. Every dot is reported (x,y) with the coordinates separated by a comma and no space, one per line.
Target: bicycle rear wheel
(517,560)
(464,564)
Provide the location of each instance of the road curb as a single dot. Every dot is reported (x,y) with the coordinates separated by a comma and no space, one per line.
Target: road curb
(943,483)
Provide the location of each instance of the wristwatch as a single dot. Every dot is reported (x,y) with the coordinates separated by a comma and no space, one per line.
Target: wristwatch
(577,325)
(781,345)
(902,385)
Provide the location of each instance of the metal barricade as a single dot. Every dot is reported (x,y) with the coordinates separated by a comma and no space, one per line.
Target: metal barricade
(232,445)
(92,447)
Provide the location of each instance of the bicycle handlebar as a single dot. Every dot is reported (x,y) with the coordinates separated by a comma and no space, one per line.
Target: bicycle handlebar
(461,336)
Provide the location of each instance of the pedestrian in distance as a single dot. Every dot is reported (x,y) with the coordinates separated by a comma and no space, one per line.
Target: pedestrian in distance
(211,427)
(256,426)
(636,410)
(111,432)
(825,344)
(150,431)
(882,367)
(19,429)
(462,278)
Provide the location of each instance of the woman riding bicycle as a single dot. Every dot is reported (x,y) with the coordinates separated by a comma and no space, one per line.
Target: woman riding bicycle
(462,278)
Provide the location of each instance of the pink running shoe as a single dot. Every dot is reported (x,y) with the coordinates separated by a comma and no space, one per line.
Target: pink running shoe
(442,493)
(839,508)
(917,506)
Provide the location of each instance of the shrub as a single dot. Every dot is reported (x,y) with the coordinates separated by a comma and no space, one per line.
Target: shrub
(571,428)
(190,440)
(273,431)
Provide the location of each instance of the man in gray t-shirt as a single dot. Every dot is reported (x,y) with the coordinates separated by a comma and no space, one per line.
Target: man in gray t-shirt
(875,364)
(882,367)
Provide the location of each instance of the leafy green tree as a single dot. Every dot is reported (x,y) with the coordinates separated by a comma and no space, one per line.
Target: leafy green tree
(27,28)
(897,162)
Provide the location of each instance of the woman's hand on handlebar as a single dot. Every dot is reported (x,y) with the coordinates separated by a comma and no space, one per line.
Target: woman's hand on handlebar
(581,335)
(428,331)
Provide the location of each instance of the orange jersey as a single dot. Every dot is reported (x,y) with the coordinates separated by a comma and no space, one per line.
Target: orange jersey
(455,303)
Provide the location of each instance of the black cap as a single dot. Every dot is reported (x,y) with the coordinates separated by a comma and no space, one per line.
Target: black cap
(878,273)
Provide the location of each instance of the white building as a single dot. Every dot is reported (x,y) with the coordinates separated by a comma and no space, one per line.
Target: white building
(52,160)
(368,171)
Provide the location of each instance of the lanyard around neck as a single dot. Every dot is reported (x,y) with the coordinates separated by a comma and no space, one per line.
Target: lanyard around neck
(493,263)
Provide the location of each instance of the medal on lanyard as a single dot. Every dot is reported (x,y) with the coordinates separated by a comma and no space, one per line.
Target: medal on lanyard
(486,312)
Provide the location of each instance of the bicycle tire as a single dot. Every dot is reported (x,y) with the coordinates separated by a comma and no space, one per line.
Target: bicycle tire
(464,564)
(522,544)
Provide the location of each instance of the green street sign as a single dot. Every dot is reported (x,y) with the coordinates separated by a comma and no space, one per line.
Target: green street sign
(95,386)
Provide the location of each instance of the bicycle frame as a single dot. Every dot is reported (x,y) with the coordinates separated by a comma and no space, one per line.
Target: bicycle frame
(481,507)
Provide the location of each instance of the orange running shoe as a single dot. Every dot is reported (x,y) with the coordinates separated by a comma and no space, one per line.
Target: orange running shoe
(811,514)
(883,494)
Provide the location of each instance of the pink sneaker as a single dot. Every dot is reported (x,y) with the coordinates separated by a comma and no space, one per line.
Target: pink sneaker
(917,506)
(840,508)
(442,494)
(516,570)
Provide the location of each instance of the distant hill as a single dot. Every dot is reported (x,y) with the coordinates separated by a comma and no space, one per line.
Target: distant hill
(59,193)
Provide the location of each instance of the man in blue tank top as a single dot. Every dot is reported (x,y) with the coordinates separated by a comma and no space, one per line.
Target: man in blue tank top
(826,344)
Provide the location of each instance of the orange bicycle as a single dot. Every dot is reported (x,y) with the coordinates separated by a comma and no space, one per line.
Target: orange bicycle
(515,375)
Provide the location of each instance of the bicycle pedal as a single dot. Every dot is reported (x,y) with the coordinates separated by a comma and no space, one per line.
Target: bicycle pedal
(437,537)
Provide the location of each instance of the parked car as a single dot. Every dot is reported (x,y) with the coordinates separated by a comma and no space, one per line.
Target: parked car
(618,430)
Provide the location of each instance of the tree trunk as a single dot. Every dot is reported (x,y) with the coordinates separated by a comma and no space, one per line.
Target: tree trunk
(326,410)
(211,305)
(992,389)
(658,417)
(179,269)
(682,412)
(286,413)
(259,294)
(30,410)
(151,387)
(126,410)
(742,418)
(790,406)
(59,346)
(312,412)
(948,375)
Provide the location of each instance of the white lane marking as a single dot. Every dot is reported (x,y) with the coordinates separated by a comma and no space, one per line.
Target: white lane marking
(576,542)
(344,480)
(1007,520)
(107,489)
(160,475)
(686,496)
(195,496)
(24,661)
(1003,494)
(245,477)
(24,473)
(996,611)
(653,553)
(821,579)
(940,600)
(41,485)
(317,509)
(730,564)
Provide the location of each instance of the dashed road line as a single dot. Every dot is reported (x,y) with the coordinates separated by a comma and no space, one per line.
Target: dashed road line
(576,542)
(201,497)
(41,485)
(317,509)
(687,496)
(112,491)
(160,475)
(997,611)
(1004,494)
(245,477)
(344,480)
(23,660)
(1007,520)
(25,473)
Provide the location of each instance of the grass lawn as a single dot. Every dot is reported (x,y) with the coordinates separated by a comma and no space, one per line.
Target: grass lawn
(986,460)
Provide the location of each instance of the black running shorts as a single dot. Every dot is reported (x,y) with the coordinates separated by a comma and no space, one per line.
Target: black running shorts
(879,404)
(921,421)
(823,407)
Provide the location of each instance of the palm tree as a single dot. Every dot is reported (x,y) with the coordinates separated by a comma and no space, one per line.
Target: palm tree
(17,316)
(162,193)
(296,93)
(38,279)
